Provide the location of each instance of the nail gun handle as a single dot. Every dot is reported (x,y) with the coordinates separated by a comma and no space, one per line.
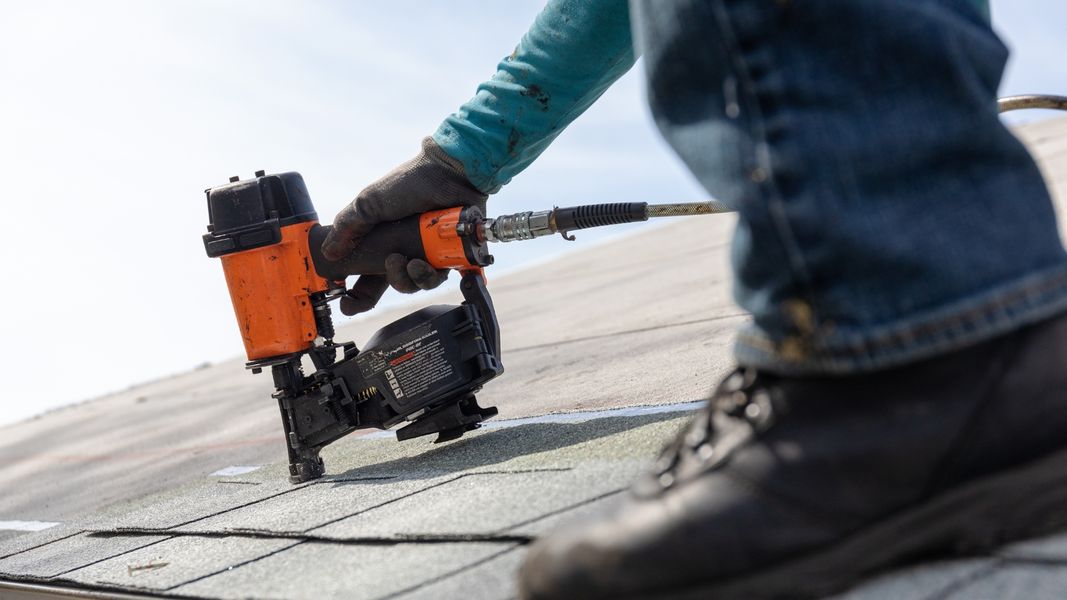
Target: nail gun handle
(447,239)
(397,237)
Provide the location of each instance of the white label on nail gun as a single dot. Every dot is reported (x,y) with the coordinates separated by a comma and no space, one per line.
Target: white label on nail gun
(26,525)
(424,365)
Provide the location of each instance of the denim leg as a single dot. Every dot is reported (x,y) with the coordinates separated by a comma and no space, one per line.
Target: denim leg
(886,214)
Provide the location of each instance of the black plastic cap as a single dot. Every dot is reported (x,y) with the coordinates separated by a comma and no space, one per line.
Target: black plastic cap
(252,202)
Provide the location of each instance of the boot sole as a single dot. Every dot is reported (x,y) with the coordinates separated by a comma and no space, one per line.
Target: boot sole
(1015,505)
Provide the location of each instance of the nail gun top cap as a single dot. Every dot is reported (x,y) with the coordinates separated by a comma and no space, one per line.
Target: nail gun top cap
(252,202)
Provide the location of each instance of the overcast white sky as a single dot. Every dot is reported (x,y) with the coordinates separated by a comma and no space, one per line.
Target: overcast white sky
(114,116)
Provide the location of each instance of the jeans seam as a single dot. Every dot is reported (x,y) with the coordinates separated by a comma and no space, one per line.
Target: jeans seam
(897,340)
(768,187)
(934,328)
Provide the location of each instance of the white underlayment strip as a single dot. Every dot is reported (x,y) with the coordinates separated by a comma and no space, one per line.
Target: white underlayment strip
(234,471)
(572,417)
(26,525)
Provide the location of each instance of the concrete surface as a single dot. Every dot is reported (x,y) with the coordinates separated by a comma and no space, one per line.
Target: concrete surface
(129,477)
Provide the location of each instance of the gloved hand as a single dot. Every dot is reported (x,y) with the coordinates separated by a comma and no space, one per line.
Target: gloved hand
(432,180)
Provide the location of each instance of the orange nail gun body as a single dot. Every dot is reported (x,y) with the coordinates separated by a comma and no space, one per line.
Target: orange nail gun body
(271,287)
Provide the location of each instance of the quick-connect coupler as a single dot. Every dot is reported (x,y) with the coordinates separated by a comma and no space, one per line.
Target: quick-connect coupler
(519,226)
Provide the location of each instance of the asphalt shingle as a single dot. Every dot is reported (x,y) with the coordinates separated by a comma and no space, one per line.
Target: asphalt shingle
(920,582)
(176,561)
(483,503)
(1047,548)
(325,570)
(1014,582)
(582,513)
(23,541)
(493,579)
(313,505)
(196,503)
(68,554)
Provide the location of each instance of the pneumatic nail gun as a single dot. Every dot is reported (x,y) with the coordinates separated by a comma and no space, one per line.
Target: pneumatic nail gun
(423,369)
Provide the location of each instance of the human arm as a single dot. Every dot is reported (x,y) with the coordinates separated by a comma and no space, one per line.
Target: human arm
(570,56)
(572,53)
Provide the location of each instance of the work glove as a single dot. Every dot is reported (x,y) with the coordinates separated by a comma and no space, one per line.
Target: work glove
(431,181)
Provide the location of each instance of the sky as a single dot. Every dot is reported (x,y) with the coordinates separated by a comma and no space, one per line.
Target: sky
(115,116)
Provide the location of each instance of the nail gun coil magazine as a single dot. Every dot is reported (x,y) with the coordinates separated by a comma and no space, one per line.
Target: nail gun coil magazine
(423,369)
(431,352)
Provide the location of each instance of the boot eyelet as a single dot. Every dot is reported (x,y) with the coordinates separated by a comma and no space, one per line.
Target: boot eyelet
(696,437)
(664,463)
(734,382)
(753,411)
(666,480)
(705,452)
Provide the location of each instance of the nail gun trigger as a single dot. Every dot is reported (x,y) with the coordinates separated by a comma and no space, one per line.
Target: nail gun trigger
(566,236)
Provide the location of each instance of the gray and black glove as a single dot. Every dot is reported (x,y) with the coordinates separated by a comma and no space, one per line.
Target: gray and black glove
(431,181)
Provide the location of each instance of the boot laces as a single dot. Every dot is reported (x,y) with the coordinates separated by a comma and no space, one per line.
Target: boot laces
(740,397)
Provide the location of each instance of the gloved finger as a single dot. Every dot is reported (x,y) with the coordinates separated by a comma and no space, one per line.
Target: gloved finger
(396,272)
(424,275)
(349,226)
(364,294)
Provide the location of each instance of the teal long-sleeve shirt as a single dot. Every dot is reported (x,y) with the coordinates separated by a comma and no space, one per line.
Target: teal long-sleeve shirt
(572,53)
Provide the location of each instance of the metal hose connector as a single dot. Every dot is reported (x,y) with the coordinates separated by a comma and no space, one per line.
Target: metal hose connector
(519,226)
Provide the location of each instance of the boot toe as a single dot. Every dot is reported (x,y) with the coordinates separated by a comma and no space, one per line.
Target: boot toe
(569,564)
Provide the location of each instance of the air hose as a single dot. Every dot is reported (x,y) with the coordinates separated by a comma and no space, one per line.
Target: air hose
(529,225)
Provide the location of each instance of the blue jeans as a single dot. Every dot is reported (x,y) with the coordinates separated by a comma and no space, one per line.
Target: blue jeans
(886,214)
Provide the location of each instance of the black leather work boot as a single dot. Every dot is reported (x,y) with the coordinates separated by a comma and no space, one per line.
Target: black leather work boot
(798,487)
